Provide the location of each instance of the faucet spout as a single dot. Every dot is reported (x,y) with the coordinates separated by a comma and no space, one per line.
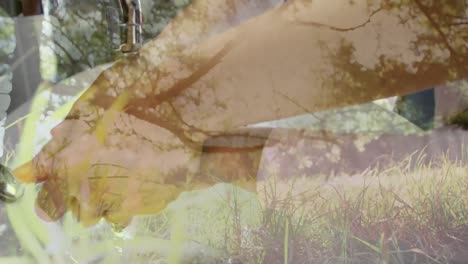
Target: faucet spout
(130,25)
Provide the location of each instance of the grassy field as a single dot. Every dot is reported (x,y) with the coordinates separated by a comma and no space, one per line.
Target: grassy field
(392,216)
(397,215)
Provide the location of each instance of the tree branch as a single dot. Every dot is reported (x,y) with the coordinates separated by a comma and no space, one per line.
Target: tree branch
(434,24)
(316,24)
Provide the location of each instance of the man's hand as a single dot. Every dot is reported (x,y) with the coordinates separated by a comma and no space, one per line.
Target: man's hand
(137,169)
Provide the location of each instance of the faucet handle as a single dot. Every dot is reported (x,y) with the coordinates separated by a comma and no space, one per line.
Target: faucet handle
(124,20)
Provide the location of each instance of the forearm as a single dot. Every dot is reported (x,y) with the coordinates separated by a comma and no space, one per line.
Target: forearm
(161,62)
(200,20)
(295,59)
(284,63)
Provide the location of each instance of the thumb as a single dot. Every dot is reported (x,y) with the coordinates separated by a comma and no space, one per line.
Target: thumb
(26,173)
(52,200)
(38,169)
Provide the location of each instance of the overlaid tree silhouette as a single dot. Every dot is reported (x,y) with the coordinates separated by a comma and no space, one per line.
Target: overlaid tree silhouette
(133,141)
(80,35)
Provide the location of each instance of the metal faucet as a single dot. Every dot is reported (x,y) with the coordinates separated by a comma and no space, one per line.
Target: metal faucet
(126,23)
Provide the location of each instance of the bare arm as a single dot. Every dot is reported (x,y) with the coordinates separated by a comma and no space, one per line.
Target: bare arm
(299,57)
(149,114)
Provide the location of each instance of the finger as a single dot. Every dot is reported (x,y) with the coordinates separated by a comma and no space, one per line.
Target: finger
(52,199)
(39,168)
(84,212)
(46,162)
(36,170)
(85,205)
(118,219)
(26,173)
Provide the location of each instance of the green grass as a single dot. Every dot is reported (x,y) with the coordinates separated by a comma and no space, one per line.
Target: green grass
(392,216)
(397,215)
